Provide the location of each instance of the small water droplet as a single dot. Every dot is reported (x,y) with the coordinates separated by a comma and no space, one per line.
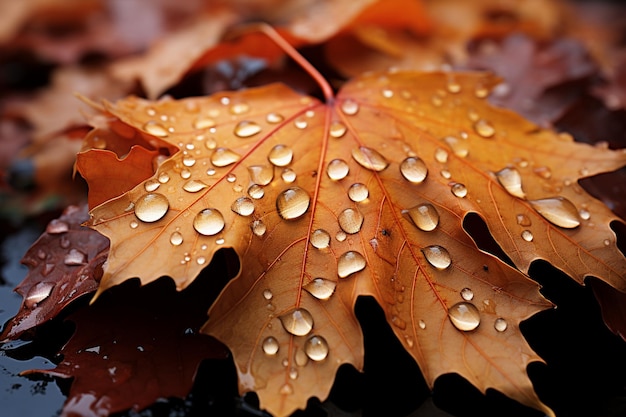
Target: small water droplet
(350,107)
(301,123)
(243,206)
(523,220)
(511,180)
(320,239)
(316,348)
(543,172)
(200,260)
(349,263)
(210,144)
(75,257)
(246,129)
(459,190)
(437,256)
(185,174)
(203,122)
(606,242)
(193,186)
(584,214)
(274,118)
(298,322)
(288,175)
(480,91)
(458,146)
(286,389)
(453,86)
(424,216)
(57,226)
(337,169)
(188,161)
(258,227)
(441,155)
(270,346)
(293,374)
(341,236)
(231,178)
(222,157)
(445,174)
(293,203)
(358,192)
(500,324)
(370,159)
(337,129)
(436,100)
(464,316)
(38,293)
(261,174)
(267,294)
(151,207)
(413,169)
(133,224)
(387,93)
(422,324)
(280,155)
(239,108)
(176,238)
(484,128)
(256,191)
(208,222)
(164,177)
(558,210)
(321,288)
(350,220)
(155,129)
(527,235)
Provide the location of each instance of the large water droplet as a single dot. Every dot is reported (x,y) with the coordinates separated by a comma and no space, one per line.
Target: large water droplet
(358,192)
(511,180)
(270,346)
(280,155)
(193,186)
(413,169)
(558,210)
(151,207)
(337,129)
(292,203)
(261,174)
(57,226)
(316,348)
(424,216)
(246,129)
(38,293)
(369,159)
(176,238)
(484,128)
(222,157)
(459,190)
(243,206)
(337,169)
(321,288)
(500,324)
(320,239)
(350,107)
(298,322)
(437,256)
(464,316)
(155,129)
(258,227)
(350,220)
(349,263)
(209,222)
(75,257)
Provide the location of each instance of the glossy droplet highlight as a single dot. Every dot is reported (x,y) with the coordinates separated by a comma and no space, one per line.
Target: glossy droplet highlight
(274,118)
(358,192)
(321,288)
(288,175)
(280,155)
(511,180)
(458,146)
(256,191)
(441,155)
(56,227)
(437,256)
(239,108)
(203,123)
(459,190)
(298,322)
(243,206)
(155,129)
(424,216)
(258,228)
(464,316)
(500,324)
(467,294)
(523,220)
(209,222)
(350,107)
(527,235)
(38,293)
(246,129)
(370,159)
(151,207)
(164,177)
(261,174)
(337,129)
(320,239)
(484,128)
(316,348)
(270,346)
(176,238)
(349,263)
(414,170)
(558,211)
(292,203)
(222,157)
(75,257)
(193,186)
(337,169)
(350,220)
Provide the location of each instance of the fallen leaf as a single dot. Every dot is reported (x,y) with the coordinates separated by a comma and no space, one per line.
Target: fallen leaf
(363,196)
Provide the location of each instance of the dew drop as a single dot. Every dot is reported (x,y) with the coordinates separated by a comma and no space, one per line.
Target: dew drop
(527,235)
(243,206)
(320,239)
(422,324)
(484,128)
(280,155)
(414,170)
(523,220)
(350,220)
(75,257)
(288,175)
(481,91)
(370,159)
(203,123)
(500,324)
(458,146)
(464,316)
(300,357)
(321,288)
(239,108)
(261,174)
(446,174)
(424,216)
(436,100)
(258,227)
(341,236)
(298,322)
(185,174)
(337,129)
(467,294)
(286,389)
(133,224)
(57,226)
(164,177)
(584,214)
(316,348)
(437,256)
(387,93)
(231,178)
(193,186)
(267,294)
(350,107)
(293,373)
(176,238)
(256,191)
(337,169)
(459,190)
(543,172)
(151,207)
(349,263)
(358,192)
(208,222)
(200,260)
(511,180)
(246,129)
(189,161)
(453,87)
(274,118)
(558,210)
(210,144)
(222,157)
(38,293)
(155,129)
(292,203)
(441,155)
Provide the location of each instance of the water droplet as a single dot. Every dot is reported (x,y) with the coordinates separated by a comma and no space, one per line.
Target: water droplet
(286,389)
(458,146)
(300,357)
(176,238)
(57,226)
(387,93)
(258,227)
(511,180)
(208,222)
(436,100)
(446,174)
(484,128)
(464,316)
(350,220)
(358,192)
(133,224)
(75,257)
(274,118)
(320,239)
(222,157)
(481,91)
(337,129)
(203,123)
(200,260)
(413,169)
(500,324)
(424,216)
(293,373)
(558,210)
(151,207)
(231,178)
(316,348)
(350,107)
(280,155)
(267,294)
(527,235)
(337,169)
(321,288)
(243,206)
(261,174)
(193,186)
(298,322)
(441,155)
(246,129)
(164,177)
(543,172)
(188,161)
(349,263)
(239,108)
(459,190)
(288,175)
(467,294)
(38,293)
(523,220)
(210,144)
(292,203)
(341,236)
(155,129)
(453,86)
(370,159)
(437,256)
(422,324)
(256,191)
(584,214)
(185,174)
